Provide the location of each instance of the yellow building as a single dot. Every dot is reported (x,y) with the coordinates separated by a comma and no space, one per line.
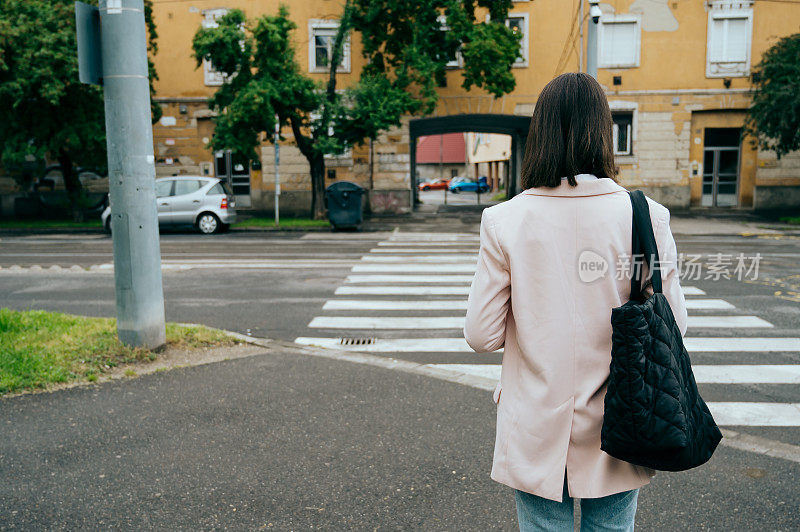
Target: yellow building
(676,72)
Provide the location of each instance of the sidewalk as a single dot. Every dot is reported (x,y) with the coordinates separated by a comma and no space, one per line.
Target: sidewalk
(466,218)
(286,441)
(683,222)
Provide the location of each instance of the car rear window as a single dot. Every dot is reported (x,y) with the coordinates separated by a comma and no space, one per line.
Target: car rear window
(216,189)
(227,187)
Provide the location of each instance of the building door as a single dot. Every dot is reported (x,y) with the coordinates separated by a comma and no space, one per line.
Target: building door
(236,170)
(721,167)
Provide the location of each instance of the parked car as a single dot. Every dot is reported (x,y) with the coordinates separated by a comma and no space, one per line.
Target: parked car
(462,184)
(207,203)
(436,184)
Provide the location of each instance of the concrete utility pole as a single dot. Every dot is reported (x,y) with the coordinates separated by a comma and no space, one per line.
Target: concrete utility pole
(131,171)
(591,38)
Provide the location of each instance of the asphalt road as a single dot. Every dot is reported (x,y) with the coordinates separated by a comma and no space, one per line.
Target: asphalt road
(277,286)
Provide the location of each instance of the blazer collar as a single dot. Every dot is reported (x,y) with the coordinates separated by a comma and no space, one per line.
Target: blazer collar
(594,187)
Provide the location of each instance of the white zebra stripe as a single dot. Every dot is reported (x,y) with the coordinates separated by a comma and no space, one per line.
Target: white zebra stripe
(459,345)
(703,374)
(457,322)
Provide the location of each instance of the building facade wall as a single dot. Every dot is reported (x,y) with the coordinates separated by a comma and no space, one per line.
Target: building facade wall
(668,91)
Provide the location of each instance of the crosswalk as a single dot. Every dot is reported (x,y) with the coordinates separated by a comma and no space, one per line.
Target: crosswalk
(408,295)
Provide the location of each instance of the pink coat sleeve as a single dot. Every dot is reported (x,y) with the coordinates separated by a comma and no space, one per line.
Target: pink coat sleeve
(490,295)
(670,276)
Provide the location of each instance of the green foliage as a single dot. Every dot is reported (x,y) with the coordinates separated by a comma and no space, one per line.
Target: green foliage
(46,111)
(40,348)
(410,44)
(407,52)
(774,117)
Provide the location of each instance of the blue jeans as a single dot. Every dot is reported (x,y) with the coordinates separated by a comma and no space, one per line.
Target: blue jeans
(614,512)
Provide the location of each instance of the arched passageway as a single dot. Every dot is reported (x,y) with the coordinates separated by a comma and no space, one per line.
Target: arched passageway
(513,125)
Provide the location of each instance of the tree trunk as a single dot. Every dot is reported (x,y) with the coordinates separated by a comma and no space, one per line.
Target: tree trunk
(72,185)
(318,211)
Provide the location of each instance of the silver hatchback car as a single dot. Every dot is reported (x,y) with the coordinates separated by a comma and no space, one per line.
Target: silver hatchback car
(207,203)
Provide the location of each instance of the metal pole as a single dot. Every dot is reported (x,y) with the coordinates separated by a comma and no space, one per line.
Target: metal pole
(591,40)
(129,138)
(277,173)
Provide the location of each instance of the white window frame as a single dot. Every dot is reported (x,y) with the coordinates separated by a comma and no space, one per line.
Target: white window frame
(526,37)
(619,19)
(211,77)
(458,62)
(729,69)
(625,107)
(328,26)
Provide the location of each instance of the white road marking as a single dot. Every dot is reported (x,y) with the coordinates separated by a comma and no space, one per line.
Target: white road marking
(415,268)
(387,290)
(703,374)
(402,291)
(756,414)
(744,345)
(457,322)
(692,291)
(420,251)
(438,259)
(741,374)
(409,279)
(424,244)
(398,304)
(459,345)
(378,322)
(396,345)
(728,322)
(708,304)
(434,237)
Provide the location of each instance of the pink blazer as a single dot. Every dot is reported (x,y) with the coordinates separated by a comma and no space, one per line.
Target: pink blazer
(554,325)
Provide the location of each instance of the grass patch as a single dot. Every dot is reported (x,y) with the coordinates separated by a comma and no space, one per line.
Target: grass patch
(49,224)
(40,348)
(500,196)
(794,220)
(284,222)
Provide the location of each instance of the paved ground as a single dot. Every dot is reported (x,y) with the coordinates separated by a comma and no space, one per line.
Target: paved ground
(290,287)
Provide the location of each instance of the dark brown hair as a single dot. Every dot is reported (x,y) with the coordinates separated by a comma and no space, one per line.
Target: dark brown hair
(570,133)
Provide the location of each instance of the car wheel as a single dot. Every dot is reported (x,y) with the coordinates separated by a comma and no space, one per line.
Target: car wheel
(454,190)
(425,189)
(107,225)
(208,223)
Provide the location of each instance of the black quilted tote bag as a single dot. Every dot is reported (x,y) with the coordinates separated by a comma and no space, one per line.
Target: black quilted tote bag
(654,415)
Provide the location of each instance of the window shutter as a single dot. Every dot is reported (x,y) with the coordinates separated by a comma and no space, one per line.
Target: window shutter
(736,42)
(619,43)
(729,40)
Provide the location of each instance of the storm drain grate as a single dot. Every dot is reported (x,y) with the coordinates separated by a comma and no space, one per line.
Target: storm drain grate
(356,341)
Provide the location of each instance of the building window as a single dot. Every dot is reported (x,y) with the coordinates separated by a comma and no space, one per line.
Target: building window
(322,34)
(619,39)
(729,37)
(519,24)
(622,131)
(455,59)
(211,77)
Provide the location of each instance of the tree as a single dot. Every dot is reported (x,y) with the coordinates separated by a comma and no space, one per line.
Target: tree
(774,117)
(407,49)
(47,113)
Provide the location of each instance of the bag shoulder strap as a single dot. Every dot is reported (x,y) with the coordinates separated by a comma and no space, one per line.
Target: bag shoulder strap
(644,246)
